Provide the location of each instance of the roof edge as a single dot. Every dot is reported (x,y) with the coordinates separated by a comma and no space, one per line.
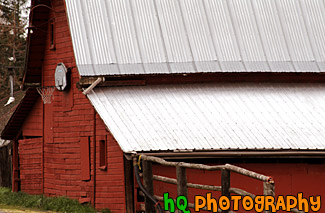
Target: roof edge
(14,124)
(235,153)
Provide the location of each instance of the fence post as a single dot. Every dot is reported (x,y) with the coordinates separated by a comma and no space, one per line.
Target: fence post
(225,185)
(181,182)
(268,189)
(148,184)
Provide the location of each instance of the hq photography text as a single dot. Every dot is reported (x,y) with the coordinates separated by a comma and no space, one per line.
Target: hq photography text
(259,203)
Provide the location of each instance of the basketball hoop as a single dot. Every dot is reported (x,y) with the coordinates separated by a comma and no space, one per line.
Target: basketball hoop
(46,93)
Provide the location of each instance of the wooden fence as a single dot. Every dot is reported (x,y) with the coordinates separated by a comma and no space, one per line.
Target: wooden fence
(183,185)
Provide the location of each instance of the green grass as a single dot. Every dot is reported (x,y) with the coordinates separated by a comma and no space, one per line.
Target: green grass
(58,204)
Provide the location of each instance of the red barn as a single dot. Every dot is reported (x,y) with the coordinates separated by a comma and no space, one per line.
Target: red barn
(209,82)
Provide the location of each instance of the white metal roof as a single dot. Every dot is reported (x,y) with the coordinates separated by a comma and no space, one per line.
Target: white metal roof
(214,116)
(116,37)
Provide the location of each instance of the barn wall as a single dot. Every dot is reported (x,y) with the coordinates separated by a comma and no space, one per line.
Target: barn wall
(290,179)
(68,120)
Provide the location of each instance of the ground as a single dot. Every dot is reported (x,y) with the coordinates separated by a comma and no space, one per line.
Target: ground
(15,209)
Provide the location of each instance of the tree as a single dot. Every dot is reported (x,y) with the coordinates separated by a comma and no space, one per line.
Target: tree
(12,42)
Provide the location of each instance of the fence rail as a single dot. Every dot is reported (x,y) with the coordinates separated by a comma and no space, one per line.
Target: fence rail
(182,185)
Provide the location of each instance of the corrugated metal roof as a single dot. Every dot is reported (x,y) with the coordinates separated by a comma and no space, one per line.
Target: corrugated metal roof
(214,116)
(116,37)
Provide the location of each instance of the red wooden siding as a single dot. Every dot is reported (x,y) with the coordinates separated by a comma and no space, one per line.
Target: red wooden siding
(30,151)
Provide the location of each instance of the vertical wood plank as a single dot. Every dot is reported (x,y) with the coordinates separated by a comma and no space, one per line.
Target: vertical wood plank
(225,184)
(48,123)
(148,184)
(84,158)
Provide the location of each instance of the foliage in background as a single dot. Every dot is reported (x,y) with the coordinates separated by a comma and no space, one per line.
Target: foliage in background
(12,42)
(58,204)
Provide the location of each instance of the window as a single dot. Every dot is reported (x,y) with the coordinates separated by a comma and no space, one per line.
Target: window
(52,34)
(103,154)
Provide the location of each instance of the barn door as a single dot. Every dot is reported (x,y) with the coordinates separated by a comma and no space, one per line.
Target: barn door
(30,165)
